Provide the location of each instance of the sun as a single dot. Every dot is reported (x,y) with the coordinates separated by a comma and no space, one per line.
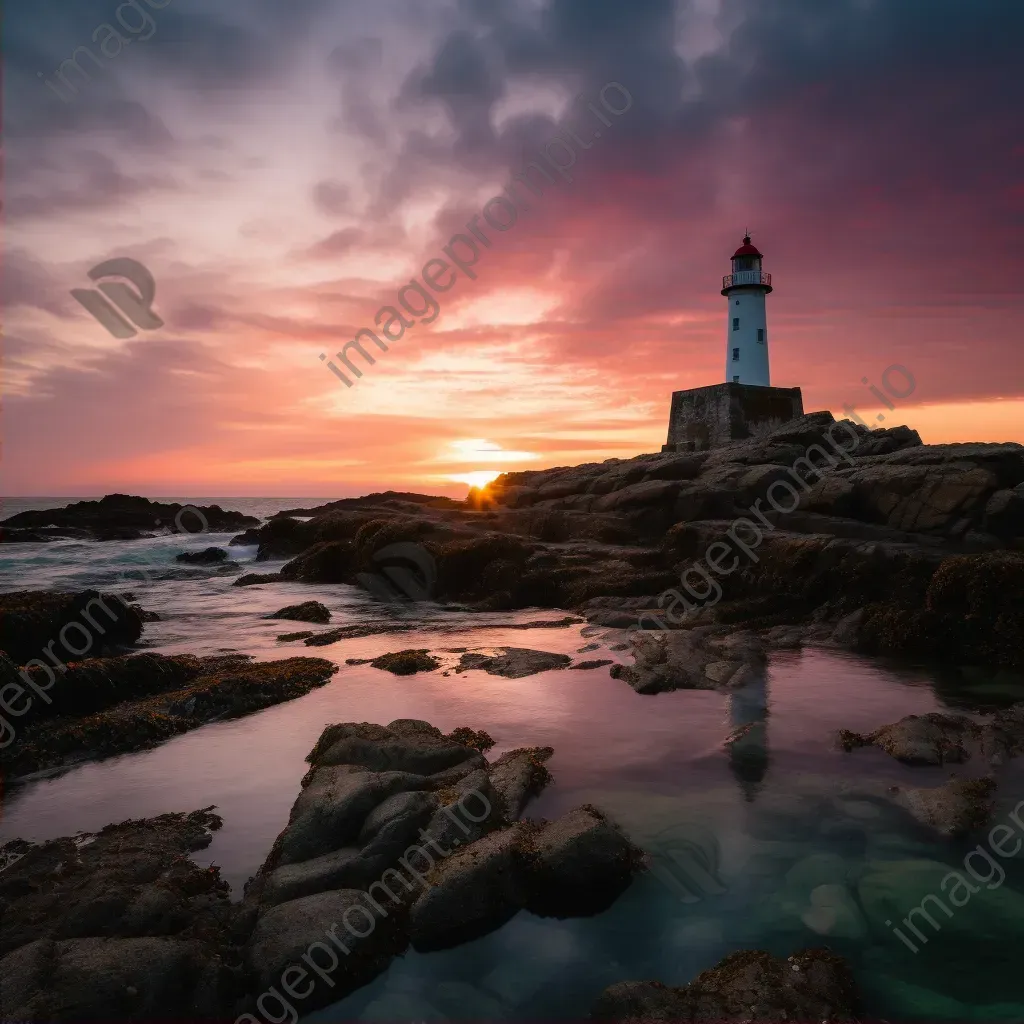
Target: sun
(479,478)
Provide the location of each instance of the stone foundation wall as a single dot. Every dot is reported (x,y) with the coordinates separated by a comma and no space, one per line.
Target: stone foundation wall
(703,418)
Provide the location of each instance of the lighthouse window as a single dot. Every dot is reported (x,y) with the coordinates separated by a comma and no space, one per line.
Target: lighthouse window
(735,323)
(760,334)
(736,379)
(735,355)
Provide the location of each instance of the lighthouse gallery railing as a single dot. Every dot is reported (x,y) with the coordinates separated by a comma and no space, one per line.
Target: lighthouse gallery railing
(746,277)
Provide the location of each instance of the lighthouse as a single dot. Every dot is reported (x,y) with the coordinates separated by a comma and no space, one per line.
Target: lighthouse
(745,404)
(746,326)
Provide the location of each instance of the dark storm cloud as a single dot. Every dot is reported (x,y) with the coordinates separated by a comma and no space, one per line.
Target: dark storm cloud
(923,73)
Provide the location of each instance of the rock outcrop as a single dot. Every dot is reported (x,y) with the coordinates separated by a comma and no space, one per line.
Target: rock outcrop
(124,517)
(694,659)
(408,836)
(100,707)
(118,925)
(952,809)
(867,538)
(812,985)
(937,738)
(49,625)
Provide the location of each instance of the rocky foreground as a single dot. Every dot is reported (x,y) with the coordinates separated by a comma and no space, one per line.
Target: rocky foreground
(99,707)
(401,836)
(818,531)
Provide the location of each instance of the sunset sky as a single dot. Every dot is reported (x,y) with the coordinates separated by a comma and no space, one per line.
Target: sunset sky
(284,167)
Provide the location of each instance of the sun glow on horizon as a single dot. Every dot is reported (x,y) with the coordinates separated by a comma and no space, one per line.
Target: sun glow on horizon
(480,478)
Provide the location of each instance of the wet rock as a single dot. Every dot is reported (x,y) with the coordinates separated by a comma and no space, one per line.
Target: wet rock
(514,662)
(472,892)
(519,775)
(1004,514)
(693,659)
(581,864)
(46,625)
(326,562)
(103,979)
(478,739)
(131,879)
(419,824)
(332,807)
(920,739)
(593,663)
(320,935)
(812,985)
(208,556)
(406,745)
(953,808)
(123,516)
(406,663)
(252,579)
(307,611)
(114,706)
(301,635)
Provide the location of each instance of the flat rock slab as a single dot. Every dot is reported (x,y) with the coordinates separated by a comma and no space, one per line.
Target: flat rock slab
(514,662)
(812,985)
(953,808)
(936,738)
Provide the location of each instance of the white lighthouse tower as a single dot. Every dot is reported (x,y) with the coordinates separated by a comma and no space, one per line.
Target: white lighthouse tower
(746,350)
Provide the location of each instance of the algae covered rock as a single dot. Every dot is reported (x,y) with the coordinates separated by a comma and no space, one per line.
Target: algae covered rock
(750,985)
(407,663)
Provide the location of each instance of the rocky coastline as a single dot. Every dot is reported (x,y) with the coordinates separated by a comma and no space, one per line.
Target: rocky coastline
(815,533)
(882,545)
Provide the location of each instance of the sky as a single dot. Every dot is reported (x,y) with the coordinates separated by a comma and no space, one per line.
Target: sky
(285,169)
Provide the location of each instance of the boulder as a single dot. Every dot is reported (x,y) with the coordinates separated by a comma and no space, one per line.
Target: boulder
(920,739)
(99,708)
(581,864)
(517,776)
(330,811)
(326,562)
(208,556)
(132,879)
(1004,514)
(471,892)
(406,745)
(307,611)
(252,579)
(341,940)
(406,663)
(46,625)
(921,499)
